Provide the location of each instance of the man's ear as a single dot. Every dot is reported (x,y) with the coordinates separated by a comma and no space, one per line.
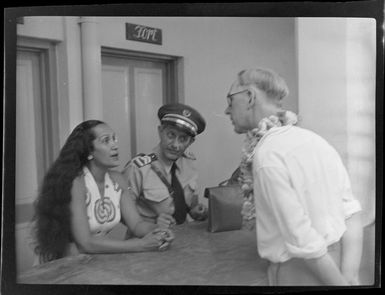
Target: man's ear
(192,139)
(252,96)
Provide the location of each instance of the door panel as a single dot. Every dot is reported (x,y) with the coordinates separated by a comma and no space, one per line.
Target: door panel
(26,138)
(116,106)
(149,97)
(30,157)
(133,91)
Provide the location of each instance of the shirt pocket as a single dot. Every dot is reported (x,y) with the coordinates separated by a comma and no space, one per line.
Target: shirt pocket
(192,186)
(157,194)
(190,189)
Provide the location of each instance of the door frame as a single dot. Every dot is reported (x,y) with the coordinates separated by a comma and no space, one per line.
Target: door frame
(49,95)
(48,118)
(174,66)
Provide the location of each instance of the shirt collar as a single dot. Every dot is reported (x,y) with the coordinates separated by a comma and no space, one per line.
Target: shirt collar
(166,167)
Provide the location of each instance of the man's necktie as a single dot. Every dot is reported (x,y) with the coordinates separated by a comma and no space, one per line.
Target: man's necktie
(179,201)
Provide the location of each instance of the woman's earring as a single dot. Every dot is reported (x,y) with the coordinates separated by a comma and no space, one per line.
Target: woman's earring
(90,157)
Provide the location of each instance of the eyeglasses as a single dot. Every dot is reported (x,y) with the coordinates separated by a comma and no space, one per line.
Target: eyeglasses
(230,97)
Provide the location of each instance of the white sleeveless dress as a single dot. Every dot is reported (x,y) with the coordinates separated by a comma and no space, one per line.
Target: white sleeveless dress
(103,212)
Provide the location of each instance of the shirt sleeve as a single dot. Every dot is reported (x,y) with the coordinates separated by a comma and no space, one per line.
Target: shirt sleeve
(300,238)
(350,204)
(134,178)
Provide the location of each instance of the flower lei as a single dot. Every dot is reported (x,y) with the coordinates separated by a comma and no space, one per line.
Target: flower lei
(283,118)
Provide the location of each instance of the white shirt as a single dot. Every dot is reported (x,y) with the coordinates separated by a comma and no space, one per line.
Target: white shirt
(302,194)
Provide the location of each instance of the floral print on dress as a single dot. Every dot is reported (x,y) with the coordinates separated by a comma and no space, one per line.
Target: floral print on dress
(102,210)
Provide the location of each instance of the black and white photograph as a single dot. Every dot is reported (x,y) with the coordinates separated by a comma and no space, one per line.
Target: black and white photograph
(232,146)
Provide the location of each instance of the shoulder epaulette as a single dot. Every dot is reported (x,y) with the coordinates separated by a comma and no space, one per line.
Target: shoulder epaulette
(141,160)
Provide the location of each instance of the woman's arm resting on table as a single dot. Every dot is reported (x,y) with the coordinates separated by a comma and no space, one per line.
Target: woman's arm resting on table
(130,214)
(352,241)
(91,244)
(138,226)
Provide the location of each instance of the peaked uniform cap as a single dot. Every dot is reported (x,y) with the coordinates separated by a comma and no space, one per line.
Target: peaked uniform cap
(182,116)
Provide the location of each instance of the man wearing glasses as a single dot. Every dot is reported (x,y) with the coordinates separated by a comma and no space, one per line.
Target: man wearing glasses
(296,189)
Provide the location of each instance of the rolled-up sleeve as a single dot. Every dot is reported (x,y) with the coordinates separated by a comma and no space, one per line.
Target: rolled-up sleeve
(350,204)
(289,214)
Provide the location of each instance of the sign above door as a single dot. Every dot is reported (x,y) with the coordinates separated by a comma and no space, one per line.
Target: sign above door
(143,34)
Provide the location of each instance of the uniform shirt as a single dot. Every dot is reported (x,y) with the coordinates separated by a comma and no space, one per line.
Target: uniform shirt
(152,194)
(302,194)
(103,213)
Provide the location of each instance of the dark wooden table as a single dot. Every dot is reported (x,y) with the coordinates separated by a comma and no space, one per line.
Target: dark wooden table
(196,257)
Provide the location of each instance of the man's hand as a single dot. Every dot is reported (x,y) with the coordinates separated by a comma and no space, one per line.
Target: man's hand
(199,212)
(165,220)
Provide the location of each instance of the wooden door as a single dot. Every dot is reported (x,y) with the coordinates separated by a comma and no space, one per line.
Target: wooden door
(133,91)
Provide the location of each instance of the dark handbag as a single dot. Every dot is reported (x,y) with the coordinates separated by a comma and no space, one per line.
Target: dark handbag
(225,205)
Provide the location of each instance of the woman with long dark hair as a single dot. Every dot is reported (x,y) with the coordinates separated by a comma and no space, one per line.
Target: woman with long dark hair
(81,199)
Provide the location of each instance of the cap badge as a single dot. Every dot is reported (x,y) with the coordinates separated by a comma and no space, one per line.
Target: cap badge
(186,113)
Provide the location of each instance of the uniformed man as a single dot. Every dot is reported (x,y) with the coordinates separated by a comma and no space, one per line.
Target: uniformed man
(165,181)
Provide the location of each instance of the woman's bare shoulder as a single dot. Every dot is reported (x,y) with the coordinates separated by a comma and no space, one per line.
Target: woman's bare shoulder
(78,185)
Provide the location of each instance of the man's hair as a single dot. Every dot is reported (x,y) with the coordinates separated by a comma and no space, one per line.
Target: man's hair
(266,80)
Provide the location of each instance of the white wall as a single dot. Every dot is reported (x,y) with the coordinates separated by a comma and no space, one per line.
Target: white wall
(214,51)
(361,81)
(336,94)
(322,78)
(43,27)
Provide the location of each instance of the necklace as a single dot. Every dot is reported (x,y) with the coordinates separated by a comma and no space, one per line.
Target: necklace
(282,118)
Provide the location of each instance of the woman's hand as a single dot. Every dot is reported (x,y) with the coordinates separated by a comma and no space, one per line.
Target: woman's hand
(168,235)
(158,239)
